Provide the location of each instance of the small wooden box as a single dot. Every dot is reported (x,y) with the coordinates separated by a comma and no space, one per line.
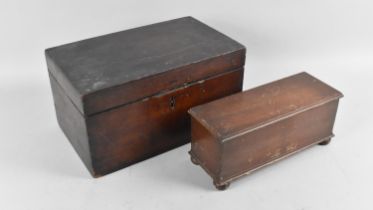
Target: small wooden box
(123,97)
(243,132)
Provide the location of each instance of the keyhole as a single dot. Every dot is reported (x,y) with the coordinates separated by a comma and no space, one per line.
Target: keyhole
(172,102)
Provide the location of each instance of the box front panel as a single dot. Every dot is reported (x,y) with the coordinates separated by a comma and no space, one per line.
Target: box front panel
(271,142)
(137,131)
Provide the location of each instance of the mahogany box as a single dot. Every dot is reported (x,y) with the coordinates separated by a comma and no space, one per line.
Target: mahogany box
(243,132)
(123,97)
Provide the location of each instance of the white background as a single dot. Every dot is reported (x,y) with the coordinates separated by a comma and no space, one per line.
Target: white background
(331,39)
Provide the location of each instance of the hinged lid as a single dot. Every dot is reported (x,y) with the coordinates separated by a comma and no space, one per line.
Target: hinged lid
(252,109)
(108,71)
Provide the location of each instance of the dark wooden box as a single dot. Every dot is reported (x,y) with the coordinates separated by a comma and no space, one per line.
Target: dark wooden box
(243,132)
(123,97)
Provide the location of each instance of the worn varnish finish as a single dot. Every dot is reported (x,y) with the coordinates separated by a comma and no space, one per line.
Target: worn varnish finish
(123,97)
(240,133)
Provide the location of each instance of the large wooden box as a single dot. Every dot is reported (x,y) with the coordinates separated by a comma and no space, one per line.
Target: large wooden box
(123,97)
(240,133)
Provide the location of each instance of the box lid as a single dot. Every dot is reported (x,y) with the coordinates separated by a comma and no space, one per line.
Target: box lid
(108,71)
(252,109)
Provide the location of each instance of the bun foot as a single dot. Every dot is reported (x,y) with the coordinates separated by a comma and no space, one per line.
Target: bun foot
(221,186)
(326,142)
(194,161)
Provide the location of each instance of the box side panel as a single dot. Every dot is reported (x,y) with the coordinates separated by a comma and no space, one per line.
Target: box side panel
(146,87)
(205,150)
(269,143)
(72,123)
(137,131)
(63,82)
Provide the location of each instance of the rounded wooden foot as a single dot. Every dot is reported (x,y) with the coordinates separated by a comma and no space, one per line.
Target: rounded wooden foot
(194,161)
(222,186)
(326,142)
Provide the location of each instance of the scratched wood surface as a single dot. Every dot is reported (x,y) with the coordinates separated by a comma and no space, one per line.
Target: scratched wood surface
(123,97)
(245,131)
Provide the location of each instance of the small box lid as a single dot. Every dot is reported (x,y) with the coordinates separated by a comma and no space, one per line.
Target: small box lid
(108,71)
(254,108)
